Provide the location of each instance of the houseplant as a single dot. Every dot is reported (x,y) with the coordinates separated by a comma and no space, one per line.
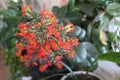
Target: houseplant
(41,39)
(11,17)
(43,42)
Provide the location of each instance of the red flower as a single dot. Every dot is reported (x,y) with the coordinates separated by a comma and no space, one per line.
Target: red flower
(43,67)
(54,45)
(69,27)
(74,41)
(51,30)
(71,54)
(66,46)
(59,65)
(26,64)
(42,41)
(47,46)
(35,63)
(26,10)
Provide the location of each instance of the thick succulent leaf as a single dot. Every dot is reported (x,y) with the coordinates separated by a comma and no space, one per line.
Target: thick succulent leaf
(82,34)
(90,64)
(84,50)
(91,50)
(77,31)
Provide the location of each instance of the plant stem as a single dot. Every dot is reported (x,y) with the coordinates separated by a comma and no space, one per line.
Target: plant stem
(69,69)
(72,5)
(87,73)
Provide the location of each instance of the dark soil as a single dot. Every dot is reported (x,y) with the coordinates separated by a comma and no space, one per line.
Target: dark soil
(82,77)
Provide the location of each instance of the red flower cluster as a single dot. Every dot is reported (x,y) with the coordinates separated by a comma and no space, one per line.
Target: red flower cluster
(43,42)
(26,10)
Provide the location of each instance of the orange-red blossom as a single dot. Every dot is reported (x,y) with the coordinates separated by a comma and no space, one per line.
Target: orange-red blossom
(43,42)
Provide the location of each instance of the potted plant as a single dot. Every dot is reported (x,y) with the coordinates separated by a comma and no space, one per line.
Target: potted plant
(42,42)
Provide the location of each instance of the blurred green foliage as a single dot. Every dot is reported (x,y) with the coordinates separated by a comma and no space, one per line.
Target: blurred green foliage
(12,16)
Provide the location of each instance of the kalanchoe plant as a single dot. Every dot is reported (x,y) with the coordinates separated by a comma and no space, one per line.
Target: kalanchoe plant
(42,41)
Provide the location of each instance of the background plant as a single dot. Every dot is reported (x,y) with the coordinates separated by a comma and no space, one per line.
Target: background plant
(94,23)
(12,16)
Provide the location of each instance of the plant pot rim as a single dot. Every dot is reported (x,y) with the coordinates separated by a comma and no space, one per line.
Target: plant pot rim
(81,72)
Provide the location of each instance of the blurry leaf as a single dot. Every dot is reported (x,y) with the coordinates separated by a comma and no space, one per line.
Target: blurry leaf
(88,9)
(112,36)
(98,1)
(77,31)
(74,17)
(89,28)
(88,64)
(117,23)
(113,9)
(82,34)
(112,56)
(112,27)
(84,50)
(80,52)
(103,37)
(91,50)
(60,12)
(8,13)
(102,19)
(102,49)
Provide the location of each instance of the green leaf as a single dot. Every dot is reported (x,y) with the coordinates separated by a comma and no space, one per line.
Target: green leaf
(102,19)
(89,29)
(113,9)
(77,31)
(112,56)
(82,34)
(74,17)
(88,9)
(112,36)
(103,37)
(84,50)
(9,13)
(98,1)
(88,63)
(117,23)
(60,12)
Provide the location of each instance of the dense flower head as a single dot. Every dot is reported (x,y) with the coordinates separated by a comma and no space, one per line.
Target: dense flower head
(43,42)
